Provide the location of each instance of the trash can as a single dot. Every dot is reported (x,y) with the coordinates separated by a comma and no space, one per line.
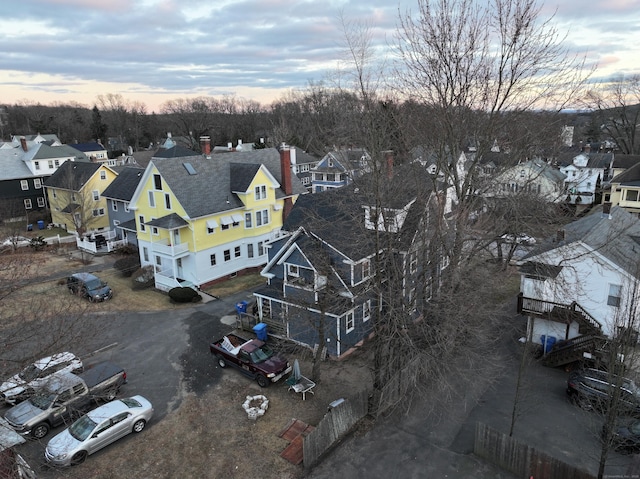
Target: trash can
(241,307)
(261,331)
(547,342)
(29,227)
(40,224)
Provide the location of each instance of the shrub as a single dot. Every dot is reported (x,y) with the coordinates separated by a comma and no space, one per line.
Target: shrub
(184,295)
(127,249)
(127,265)
(38,243)
(143,278)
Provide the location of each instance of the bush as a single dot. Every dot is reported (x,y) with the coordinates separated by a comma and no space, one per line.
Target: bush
(143,278)
(38,243)
(127,249)
(184,295)
(127,265)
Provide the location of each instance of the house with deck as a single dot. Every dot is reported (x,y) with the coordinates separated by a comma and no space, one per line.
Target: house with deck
(580,285)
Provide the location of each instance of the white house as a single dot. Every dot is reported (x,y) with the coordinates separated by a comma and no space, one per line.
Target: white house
(584,174)
(583,281)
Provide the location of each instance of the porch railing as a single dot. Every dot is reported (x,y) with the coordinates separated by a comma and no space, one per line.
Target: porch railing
(564,313)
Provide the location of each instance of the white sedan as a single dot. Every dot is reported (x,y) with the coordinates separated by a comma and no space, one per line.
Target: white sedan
(97,429)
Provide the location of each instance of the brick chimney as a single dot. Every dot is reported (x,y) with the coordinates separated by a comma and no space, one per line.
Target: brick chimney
(285,183)
(23,142)
(388,158)
(205,145)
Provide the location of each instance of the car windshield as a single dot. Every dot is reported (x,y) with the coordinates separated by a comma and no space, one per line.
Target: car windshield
(30,373)
(42,401)
(130,402)
(94,284)
(81,429)
(261,354)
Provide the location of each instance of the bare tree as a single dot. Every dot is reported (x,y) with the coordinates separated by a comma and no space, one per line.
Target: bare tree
(616,107)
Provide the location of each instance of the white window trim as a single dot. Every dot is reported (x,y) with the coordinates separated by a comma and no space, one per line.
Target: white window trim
(349,317)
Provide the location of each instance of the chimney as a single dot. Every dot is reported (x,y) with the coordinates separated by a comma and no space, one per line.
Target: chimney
(230,146)
(239,146)
(285,172)
(205,145)
(388,157)
(23,142)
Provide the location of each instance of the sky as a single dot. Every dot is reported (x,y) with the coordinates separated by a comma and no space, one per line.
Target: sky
(152,51)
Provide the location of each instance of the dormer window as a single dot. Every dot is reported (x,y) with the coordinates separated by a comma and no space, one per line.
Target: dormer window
(260,192)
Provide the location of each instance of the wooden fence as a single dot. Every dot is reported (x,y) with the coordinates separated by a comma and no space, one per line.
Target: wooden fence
(524,461)
(333,426)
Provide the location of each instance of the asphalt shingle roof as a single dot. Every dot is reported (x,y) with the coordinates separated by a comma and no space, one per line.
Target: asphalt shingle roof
(209,190)
(72,175)
(124,185)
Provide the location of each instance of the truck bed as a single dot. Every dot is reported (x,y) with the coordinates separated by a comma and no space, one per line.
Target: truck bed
(100,372)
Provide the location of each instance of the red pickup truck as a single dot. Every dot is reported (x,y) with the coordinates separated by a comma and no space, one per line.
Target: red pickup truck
(253,357)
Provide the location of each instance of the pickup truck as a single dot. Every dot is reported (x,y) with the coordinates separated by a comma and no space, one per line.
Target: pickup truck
(65,396)
(253,357)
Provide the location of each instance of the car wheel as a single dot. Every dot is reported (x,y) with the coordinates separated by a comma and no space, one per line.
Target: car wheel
(78,458)
(263,382)
(111,394)
(139,425)
(221,362)
(40,431)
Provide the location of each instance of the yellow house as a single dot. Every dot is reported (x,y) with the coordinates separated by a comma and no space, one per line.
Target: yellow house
(204,219)
(74,195)
(625,190)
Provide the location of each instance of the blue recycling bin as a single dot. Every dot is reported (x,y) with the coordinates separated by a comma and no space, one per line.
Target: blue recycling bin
(547,342)
(30,227)
(40,224)
(261,331)
(241,307)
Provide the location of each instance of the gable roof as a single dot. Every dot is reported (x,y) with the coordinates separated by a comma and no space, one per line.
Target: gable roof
(177,151)
(614,236)
(125,184)
(72,175)
(629,177)
(209,190)
(90,146)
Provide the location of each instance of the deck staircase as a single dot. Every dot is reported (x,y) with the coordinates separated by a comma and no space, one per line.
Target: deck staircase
(566,352)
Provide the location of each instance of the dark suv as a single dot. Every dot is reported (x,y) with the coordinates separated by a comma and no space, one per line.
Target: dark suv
(89,286)
(591,389)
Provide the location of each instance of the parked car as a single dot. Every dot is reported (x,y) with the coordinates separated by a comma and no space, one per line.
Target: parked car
(97,429)
(592,388)
(23,384)
(89,286)
(519,238)
(625,437)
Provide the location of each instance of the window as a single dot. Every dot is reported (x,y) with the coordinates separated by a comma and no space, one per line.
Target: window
(331,177)
(615,294)
(260,248)
(96,195)
(366,310)
(167,201)
(236,251)
(330,163)
(114,206)
(57,163)
(24,184)
(158,260)
(37,183)
(50,163)
(224,227)
(103,175)
(632,195)
(40,201)
(350,323)
(262,217)
(145,254)
(55,195)
(212,259)
(142,226)
(27,203)
(261,192)
(126,207)
(293,270)
(366,269)
(413,262)
(227,255)
(116,222)
(157,182)
(154,230)
(36,164)
(98,212)
(152,200)
(247,220)
(250,250)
